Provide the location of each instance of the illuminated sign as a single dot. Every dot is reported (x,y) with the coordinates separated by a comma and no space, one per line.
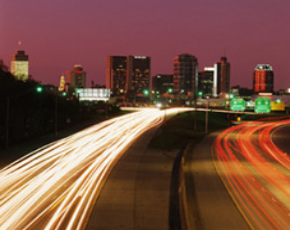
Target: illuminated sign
(278,105)
(262,105)
(93,94)
(140,57)
(238,104)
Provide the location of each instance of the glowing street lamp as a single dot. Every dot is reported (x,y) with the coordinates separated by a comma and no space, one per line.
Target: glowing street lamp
(39,89)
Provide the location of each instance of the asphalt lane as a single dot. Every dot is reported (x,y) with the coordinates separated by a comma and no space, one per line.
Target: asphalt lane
(210,207)
(136,193)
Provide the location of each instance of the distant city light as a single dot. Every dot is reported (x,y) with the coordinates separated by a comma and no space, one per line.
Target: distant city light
(146,92)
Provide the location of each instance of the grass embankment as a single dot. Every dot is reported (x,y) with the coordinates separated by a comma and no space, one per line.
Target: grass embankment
(179,130)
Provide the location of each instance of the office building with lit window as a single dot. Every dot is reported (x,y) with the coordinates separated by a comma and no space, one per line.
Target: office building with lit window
(161,84)
(20,65)
(128,75)
(139,68)
(116,76)
(263,79)
(185,76)
(77,77)
(205,81)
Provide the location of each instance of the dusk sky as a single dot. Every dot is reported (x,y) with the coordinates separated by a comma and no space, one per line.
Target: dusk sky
(57,34)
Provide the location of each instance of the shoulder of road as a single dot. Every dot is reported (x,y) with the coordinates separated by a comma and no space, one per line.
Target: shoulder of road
(209,205)
(281,138)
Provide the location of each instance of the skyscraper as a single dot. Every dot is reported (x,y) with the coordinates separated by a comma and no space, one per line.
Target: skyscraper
(263,79)
(19,65)
(185,78)
(117,77)
(139,68)
(77,77)
(128,75)
(221,78)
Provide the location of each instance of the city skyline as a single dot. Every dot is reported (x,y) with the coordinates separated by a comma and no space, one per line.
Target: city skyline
(247,33)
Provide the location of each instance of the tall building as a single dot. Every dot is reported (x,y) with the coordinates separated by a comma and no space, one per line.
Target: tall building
(20,65)
(128,75)
(77,77)
(263,79)
(162,83)
(221,85)
(61,87)
(205,81)
(185,78)
(116,78)
(139,68)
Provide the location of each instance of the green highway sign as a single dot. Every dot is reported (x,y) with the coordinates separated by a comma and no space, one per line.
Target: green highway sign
(262,105)
(238,104)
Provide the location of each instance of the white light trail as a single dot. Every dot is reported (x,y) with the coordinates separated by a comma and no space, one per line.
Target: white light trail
(55,186)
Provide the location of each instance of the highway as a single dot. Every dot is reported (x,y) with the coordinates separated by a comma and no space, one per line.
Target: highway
(256,173)
(56,186)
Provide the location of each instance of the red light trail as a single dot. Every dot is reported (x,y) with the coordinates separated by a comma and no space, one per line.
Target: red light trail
(256,173)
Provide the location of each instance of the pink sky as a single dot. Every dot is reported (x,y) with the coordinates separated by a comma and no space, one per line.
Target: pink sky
(57,34)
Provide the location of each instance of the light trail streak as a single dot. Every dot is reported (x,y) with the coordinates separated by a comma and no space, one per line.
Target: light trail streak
(256,173)
(55,186)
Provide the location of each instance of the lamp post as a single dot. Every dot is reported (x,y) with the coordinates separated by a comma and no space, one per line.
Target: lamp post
(206,116)
(7,123)
(56,115)
(38,89)
(168,91)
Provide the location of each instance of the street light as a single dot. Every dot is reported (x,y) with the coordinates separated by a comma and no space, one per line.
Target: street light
(38,89)
(169,90)
(206,116)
